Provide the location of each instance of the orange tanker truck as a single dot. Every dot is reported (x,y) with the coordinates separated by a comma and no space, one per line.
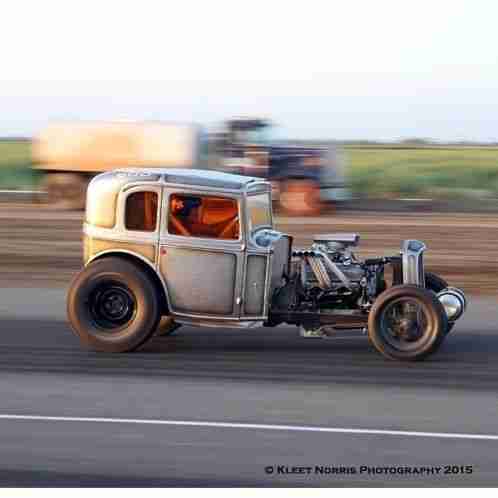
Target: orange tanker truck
(70,154)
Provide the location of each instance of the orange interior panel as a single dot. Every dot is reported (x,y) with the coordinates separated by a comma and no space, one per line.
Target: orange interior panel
(141,211)
(203,216)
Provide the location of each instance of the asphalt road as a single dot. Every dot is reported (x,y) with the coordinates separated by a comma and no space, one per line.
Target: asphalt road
(266,377)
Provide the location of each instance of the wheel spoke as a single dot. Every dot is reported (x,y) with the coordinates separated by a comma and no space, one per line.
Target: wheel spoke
(403,323)
(112,305)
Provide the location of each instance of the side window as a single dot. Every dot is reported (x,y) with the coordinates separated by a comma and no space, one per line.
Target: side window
(203,216)
(141,211)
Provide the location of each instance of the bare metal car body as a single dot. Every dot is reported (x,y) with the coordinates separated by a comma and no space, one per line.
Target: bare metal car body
(251,278)
(204,280)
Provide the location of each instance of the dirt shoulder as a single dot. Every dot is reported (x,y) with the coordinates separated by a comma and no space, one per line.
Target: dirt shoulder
(40,247)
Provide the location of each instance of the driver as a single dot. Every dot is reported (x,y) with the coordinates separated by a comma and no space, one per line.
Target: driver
(184,206)
(177,205)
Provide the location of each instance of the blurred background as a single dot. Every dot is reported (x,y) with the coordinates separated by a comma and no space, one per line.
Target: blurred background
(379,118)
(373,117)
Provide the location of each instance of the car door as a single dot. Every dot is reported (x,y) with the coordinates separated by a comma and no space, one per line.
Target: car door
(267,255)
(201,252)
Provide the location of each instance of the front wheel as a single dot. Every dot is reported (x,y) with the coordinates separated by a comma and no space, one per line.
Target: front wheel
(436,284)
(407,323)
(113,306)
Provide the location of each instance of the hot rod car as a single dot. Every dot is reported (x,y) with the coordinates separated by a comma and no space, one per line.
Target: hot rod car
(171,247)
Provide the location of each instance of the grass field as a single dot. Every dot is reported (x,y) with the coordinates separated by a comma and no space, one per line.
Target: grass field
(429,172)
(375,171)
(15,165)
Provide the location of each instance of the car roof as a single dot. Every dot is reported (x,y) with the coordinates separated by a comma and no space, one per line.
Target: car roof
(195,177)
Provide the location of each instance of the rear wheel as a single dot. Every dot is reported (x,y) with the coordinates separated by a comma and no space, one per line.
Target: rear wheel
(300,197)
(407,323)
(113,306)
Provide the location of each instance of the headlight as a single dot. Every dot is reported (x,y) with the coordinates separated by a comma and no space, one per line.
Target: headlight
(453,301)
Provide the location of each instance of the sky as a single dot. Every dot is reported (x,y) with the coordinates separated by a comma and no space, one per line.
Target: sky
(350,69)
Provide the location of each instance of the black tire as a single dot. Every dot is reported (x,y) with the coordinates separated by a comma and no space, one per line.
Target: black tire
(436,284)
(113,306)
(431,323)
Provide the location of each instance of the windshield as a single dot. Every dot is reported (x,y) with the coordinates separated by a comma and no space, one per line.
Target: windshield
(259,209)
(256,136)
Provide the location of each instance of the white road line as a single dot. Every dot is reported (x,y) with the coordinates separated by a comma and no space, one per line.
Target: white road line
(237,425)
(22,192)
